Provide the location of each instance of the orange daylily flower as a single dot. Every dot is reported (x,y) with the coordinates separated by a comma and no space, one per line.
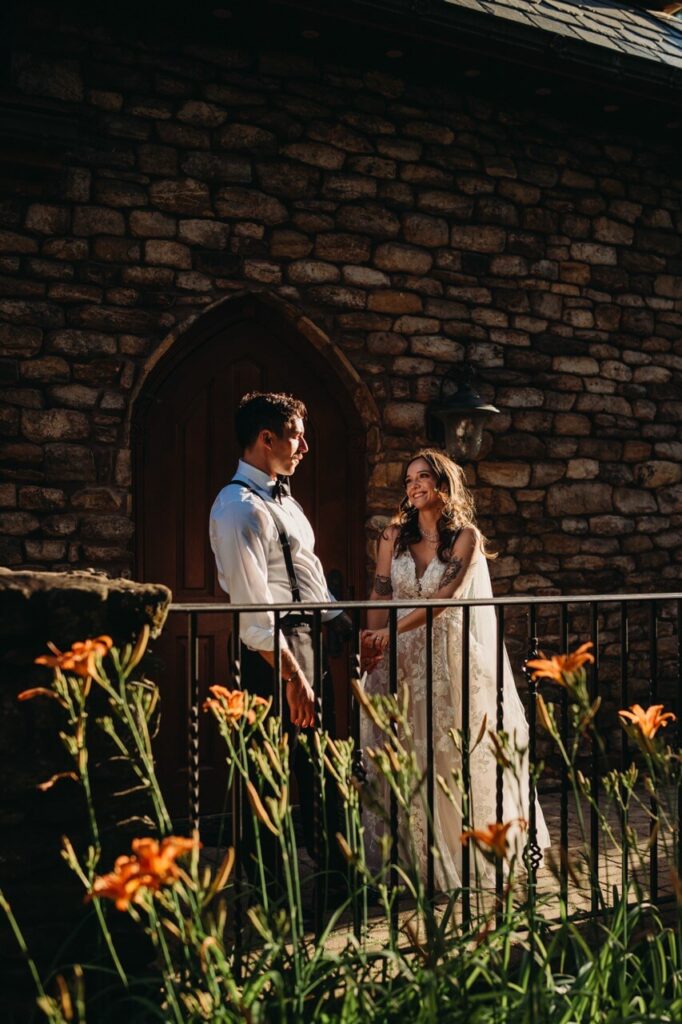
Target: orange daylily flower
(231,704)
(80,659)
(124,885)
(492,839)
(151,866)
(561,665)
(648,721)
(159,858)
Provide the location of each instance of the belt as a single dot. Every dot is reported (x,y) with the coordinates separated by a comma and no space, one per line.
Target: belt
(297,619)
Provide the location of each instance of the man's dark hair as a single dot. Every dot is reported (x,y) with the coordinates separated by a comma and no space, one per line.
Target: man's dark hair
(265,410)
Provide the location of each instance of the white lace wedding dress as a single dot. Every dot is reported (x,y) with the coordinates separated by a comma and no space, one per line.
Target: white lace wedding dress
(447,714)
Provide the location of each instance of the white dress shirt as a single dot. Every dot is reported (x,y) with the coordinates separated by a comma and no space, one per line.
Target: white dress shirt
(249,557)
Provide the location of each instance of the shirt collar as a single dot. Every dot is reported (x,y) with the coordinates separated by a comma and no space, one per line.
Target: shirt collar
(255,476)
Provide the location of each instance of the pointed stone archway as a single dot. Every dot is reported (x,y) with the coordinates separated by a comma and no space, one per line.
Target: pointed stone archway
(184,451)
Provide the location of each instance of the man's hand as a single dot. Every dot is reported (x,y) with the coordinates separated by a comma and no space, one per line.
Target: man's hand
(301,701)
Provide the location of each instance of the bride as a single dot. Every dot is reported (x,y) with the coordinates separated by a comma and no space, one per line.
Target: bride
(433,549)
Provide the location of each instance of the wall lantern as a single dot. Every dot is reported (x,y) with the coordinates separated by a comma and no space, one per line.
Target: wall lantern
(457,420)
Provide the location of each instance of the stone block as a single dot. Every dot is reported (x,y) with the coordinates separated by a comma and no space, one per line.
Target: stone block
(396,257)
(658,473)
(37,498)
(10,241)
(60,525)
(107,528)
(19,341)
(374,166)
(422,229)
(47,219)
(504,474)
(153,159)
(82,343)
(339,135)
(630,501)
(427,131)
(317,154)
(168,254)
(247,138)
(572,424)
(579,499)
(45,370)
(416,325)
(349,186)
(214,167)
(69,462)
(74,396)
(404,417)
(384,343)
(151,224)
(18,524)
(547,473)
(372,220)
(44,550)
(365,277)
(668,286)
(344,298)
(412,366)
(262,271)
(594,254)
(119,193)
(46,425)
(582,469)
(448,203)
(40,76)
(293,244)
(97,220)
(97,499)
(394,302)
(606,230)
(435,346)
(8,495)
(312,272)
(473,238)
(206,115)
(181,195)
(244,203)
(343,248)
(581,365)
(670,500)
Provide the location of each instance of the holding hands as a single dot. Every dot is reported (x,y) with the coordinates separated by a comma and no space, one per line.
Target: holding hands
(373,644)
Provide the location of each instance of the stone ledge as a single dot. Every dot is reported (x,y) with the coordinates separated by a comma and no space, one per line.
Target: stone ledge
(64,607)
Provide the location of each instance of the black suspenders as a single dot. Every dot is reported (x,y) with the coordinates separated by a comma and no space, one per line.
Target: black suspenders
(283,538)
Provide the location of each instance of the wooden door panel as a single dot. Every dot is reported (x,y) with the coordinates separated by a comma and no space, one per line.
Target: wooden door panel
(187,453)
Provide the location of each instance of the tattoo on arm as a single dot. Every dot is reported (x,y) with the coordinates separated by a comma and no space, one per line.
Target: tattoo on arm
(383,586)
(451,572)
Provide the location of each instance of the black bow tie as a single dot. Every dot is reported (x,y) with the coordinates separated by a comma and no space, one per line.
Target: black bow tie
(280,489)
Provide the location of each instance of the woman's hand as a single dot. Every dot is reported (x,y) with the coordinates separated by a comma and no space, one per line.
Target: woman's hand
(376,639)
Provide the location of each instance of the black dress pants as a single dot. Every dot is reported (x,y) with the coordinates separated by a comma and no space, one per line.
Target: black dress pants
(258,677)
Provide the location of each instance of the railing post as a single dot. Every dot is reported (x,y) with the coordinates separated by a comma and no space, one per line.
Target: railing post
(466,775)
(533,851)
(430,793)
(193,720)
(499,769)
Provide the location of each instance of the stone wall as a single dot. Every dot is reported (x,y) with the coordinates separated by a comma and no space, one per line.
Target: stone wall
(417,226)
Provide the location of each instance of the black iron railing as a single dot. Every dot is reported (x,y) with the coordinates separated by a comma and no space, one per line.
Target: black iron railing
(638,657)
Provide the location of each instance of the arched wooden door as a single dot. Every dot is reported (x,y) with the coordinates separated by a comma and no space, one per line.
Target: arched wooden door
(185,451)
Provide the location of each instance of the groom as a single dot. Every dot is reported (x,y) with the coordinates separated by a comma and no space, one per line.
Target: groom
(264,546)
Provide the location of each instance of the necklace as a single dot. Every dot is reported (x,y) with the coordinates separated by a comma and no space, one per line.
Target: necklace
(431,536)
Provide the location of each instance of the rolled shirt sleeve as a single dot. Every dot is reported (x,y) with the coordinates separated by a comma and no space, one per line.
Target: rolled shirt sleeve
(240,534)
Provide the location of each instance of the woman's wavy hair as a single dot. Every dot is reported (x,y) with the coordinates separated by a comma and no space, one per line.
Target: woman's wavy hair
(458,508)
